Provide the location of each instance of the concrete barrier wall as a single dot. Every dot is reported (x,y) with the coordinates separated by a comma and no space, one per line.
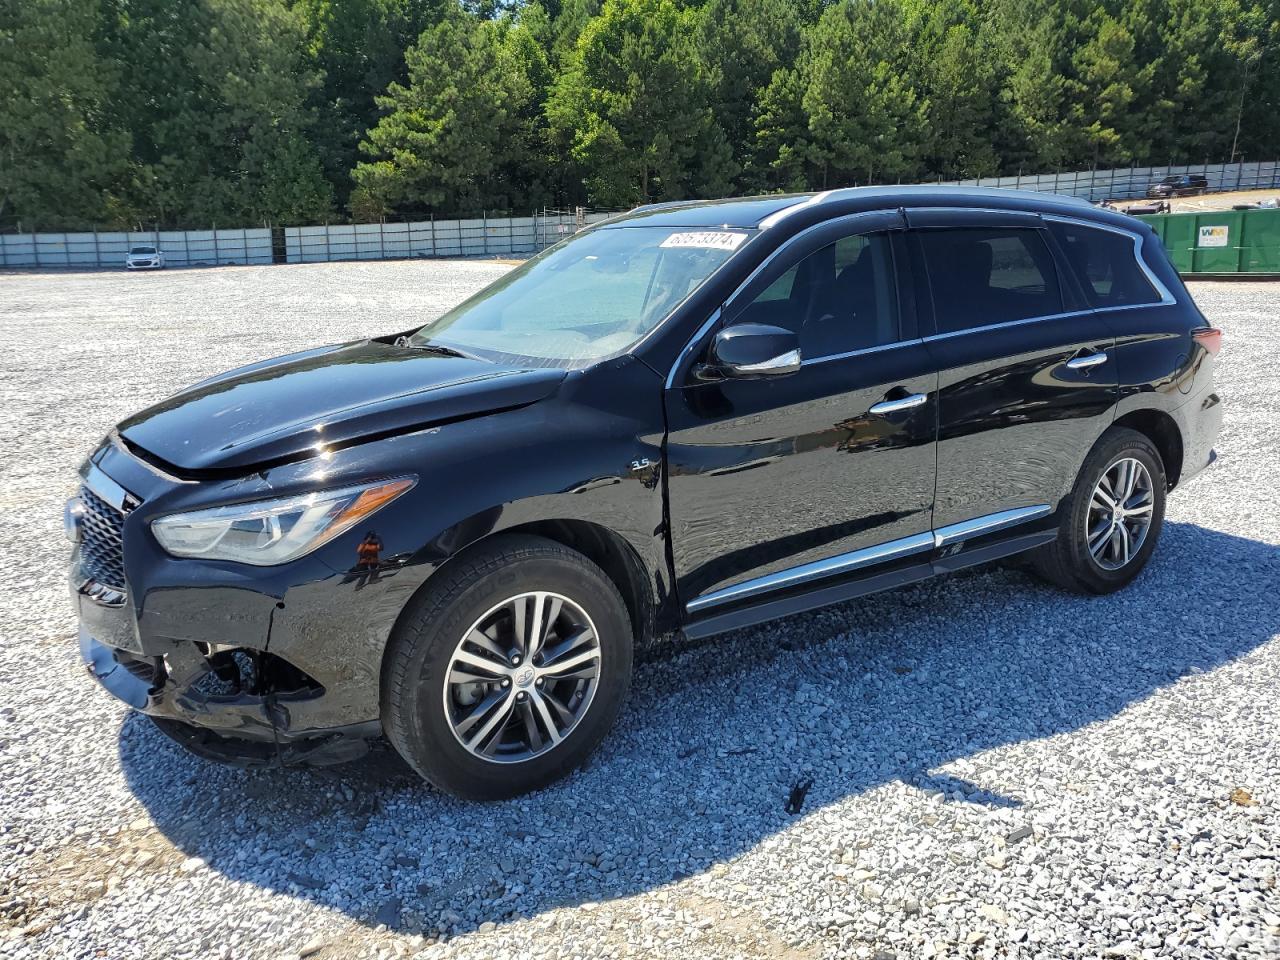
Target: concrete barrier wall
(181,248)
(507,236)
(490,236)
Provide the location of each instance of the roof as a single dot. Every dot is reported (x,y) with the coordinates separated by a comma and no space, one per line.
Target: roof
(755,211)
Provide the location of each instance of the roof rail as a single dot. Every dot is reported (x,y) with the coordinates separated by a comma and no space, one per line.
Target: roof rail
(919,189)
(796,207)
(645,207)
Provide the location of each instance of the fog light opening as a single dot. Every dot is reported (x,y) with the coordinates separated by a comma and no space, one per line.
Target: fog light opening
(226,671)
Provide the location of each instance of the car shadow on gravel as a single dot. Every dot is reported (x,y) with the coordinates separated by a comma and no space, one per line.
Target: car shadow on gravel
(717,736)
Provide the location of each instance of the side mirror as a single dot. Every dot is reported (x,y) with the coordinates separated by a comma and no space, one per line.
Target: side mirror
(750,351)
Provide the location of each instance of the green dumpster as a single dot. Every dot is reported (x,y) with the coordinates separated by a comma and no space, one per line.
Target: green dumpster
(1220,242)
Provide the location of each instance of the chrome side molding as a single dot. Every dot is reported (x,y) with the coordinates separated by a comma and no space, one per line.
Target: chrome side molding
(819,569)
(979,526)
(881,553)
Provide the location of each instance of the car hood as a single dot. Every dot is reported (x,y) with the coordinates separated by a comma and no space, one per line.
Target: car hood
(295,406)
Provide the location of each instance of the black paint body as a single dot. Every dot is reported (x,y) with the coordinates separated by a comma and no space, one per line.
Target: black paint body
(678,486)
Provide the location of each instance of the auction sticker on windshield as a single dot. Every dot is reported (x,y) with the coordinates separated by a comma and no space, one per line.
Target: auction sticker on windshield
(705,240)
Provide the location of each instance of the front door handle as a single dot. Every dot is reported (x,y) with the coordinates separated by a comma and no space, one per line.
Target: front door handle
(1084,363)
(894,406)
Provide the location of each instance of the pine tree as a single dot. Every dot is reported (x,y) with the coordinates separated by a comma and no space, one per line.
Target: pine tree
(634,110)
(454,138)
(61,156)
(866,116)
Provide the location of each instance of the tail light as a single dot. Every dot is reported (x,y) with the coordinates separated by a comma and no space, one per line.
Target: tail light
(1208,337)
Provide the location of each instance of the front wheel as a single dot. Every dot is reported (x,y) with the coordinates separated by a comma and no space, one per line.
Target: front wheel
(503,676)
(1112,520)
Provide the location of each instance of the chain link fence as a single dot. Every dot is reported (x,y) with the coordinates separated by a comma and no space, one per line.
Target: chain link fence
(504,236)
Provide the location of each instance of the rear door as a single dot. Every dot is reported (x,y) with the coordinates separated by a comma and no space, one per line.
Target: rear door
(780,482)
(1027,376)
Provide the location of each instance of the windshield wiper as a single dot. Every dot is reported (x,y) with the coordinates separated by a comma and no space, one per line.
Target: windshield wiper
(438,349)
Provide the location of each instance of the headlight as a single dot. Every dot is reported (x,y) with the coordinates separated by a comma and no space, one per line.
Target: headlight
(267,532)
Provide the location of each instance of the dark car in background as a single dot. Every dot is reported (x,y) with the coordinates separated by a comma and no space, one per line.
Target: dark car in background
(686,420)
(1182,185)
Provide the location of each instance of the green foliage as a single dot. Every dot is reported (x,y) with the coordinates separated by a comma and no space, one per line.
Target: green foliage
(357,48)
(635,111)
(463,132)
(61,157)
(214,95)
(959,72)
(741,43)
(866,113)
(191,112)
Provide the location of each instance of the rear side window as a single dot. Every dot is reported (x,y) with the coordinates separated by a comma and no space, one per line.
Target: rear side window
(1105,264)
(980,276)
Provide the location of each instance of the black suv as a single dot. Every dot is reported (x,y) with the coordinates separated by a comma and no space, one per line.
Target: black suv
(688,419)
(1184,185)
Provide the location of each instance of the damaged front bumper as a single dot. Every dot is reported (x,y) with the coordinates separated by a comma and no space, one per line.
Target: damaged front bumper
(267,665)
(226,705)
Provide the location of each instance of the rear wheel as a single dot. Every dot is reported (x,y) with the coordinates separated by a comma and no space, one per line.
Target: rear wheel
(1112,521)
(509,671)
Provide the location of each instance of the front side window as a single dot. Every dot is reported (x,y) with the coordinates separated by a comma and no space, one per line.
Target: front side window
(591,297)
(981,276)
(838,299)
(1103,261)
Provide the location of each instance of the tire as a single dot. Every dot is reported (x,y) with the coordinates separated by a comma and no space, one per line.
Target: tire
(428,701)
(1069,561)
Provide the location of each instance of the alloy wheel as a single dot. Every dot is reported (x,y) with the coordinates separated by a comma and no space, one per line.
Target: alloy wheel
(522,677)
(1120,513)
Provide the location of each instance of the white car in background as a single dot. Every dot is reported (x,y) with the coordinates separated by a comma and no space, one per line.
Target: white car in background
(144,257)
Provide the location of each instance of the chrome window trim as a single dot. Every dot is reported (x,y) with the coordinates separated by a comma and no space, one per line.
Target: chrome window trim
(869,556)
(1006,323)
(1167,299)
(696,340)
(864,351)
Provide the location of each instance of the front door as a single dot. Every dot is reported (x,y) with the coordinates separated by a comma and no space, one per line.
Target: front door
(776,482)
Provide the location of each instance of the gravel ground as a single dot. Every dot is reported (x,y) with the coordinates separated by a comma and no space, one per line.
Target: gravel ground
(997,769)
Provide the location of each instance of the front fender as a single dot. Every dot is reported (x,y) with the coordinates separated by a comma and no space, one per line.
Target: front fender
(576,456)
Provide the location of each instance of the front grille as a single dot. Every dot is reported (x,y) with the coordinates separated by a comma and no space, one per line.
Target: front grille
(102,541)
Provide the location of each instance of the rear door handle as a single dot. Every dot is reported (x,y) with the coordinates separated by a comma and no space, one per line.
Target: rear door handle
(905,403)
(1084,363)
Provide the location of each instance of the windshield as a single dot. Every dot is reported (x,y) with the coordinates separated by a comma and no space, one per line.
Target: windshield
(140,250)
(587,298)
